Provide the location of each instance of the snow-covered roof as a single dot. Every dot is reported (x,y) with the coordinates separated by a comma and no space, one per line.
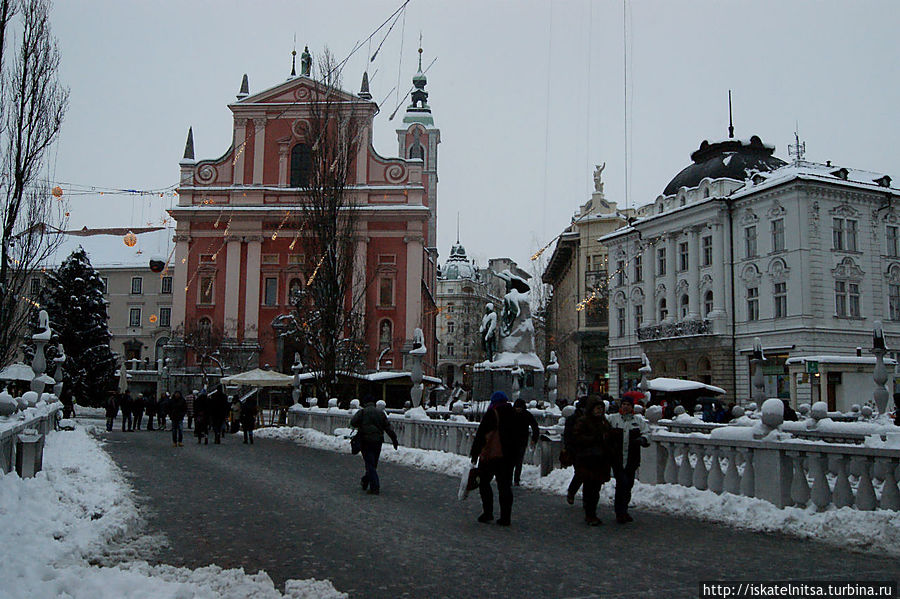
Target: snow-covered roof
(813,171)
(828,359)
(381,375)
(107,249)
(668,385)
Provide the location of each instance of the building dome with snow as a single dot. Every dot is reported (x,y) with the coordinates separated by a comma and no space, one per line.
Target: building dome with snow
(729,158)
(458,265)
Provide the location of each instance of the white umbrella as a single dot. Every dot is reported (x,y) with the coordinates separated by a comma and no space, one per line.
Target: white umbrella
(17,372)
(259,378)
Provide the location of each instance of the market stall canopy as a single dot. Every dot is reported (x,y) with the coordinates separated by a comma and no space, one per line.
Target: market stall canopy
(259,378)
(667,385)
(17,372)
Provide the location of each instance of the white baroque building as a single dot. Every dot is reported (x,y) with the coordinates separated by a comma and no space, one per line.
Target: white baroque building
(743,245)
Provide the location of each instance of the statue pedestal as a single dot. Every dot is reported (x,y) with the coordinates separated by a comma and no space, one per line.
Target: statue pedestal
(486,380)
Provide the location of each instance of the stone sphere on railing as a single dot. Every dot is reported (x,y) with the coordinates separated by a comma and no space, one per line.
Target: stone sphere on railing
(458,408)
(333,402)
(654,414)
(568,411)
(819,410)
(48,398)
(752,407)
(698,410)
(737,412)
(803,409)
(855,409)
(773,412)
(866,411)
(8,404)
(638,408)
(311,401)
(354,404)
(380,404)
(679,410)
(30,398)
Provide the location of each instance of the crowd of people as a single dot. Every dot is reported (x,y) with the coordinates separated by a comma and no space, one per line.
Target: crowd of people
(207,413)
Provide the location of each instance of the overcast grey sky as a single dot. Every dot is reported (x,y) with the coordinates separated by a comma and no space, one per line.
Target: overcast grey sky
(528,95)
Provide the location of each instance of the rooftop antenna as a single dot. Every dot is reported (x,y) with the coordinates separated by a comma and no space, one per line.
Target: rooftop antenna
(730,123)
(797,149)
(457,228)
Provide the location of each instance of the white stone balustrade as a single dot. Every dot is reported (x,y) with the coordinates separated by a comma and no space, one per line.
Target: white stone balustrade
(781,472)
(440,435)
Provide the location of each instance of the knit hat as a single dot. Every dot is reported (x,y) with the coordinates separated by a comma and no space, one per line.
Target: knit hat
(498,398)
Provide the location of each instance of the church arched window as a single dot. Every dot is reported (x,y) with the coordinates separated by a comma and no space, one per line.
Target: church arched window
(301,165)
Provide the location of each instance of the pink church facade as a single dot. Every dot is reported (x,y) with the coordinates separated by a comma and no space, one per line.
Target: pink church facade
(236,260)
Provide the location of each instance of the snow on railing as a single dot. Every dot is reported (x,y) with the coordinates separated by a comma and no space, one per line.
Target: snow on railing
(783,472)
(422,433)
(42,418)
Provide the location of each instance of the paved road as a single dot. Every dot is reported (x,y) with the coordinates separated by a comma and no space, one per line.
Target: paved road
(299,513)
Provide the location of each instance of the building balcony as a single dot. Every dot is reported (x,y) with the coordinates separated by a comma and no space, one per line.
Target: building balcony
(685,328)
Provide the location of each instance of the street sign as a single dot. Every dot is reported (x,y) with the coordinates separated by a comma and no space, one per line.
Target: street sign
(812,367)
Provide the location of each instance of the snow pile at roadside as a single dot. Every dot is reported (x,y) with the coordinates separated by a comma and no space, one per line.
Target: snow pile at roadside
(52,526)
(877,531)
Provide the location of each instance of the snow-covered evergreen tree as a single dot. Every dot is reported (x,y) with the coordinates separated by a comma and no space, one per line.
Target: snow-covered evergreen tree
(73,297)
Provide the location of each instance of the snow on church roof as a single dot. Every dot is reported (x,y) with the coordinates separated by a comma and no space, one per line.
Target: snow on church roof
(106,249)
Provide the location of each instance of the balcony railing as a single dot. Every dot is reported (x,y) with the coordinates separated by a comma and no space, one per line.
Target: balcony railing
(677,329)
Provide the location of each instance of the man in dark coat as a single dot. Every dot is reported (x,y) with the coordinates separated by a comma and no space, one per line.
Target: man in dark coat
(248,417)
(217,404)
(524,421)
(150,406)
(201,416)
(177,410)
(626,437)
(138,410)
(125,404)
(162,410)
(112,409)
(569,448)
(590,447)
(501,420)
(372,424)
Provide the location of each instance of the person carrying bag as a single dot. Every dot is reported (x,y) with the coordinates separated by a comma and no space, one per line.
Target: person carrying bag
(494,449)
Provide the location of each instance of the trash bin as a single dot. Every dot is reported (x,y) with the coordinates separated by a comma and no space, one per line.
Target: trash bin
(29,453)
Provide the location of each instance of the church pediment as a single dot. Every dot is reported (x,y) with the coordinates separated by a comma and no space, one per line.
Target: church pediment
(295,89)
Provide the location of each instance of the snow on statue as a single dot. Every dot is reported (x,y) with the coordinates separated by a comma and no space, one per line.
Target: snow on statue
(516,327)
(488,331)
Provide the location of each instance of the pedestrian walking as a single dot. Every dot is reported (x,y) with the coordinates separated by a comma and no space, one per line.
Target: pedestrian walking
(192,396)
(235,415)
(162,410)
(137,410)
(524,421)
(496,457)
(627,436)
(590,446)
(150,406)
(248,417)
(112,409)
(217,403)
(372,424)
(177,410)
(201,416)
(125,405)
(569,450)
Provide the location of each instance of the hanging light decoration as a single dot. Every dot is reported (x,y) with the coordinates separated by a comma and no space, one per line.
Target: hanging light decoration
(157,263)
(130,239)
(57,192)
(152,318)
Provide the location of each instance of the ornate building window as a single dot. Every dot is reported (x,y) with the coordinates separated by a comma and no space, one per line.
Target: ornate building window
(707,303)
(685,306)
(638,269)
(165,286)
(894,301)
(778,235)
(295,288)
(165,317)
(134,317)
(451,326)
(753,303)
(386,293)
(893,248)
(706,244)
(620,273)
(450,349)
(638,316)
(301,165)
(620,317)
(853,296)
(847,276)
(843,234)
(750,241)
(780,300)
(137,284)
(661,262)
(205,292)
(663,310)
(270,291)
(683,256)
